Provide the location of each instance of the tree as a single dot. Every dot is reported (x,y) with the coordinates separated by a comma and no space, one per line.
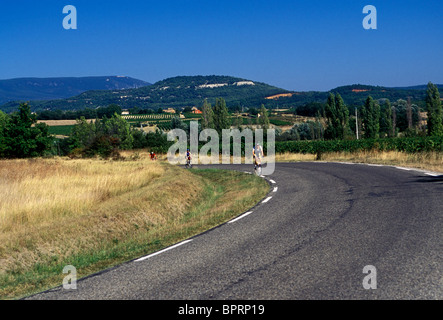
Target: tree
(343,116)
(386,119)
(263,118)
(394,121)
(371,118)
(331,116)
(187,109)
(118,128)
(23,137)
(337,115)
(207,116)
(221,116)
(104,137)
(409,113)
(3,122)
(109,111)
(139,138)
(434,109)
(237,121)
(82,135)
(176,123)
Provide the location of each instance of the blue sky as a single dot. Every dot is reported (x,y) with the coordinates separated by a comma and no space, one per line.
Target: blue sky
(295,45)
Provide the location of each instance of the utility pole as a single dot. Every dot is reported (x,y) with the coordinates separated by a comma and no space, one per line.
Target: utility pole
(356,122)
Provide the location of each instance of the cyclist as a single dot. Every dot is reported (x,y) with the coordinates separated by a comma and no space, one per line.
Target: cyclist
(188,158)
(257,152)
(153,156)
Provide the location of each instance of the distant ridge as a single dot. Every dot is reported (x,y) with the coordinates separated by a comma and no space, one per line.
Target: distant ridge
(62,87)
(169,93)
(182,91)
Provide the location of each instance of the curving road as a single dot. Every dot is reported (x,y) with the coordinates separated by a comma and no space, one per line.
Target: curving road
(310,238)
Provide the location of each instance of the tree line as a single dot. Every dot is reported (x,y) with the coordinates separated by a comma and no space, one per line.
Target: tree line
(375,119)
(22,137)
(87,113)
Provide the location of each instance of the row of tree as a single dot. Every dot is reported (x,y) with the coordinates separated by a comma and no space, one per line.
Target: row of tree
(87,113)
(218,117)
(435,112)
(382,120)
(22,137)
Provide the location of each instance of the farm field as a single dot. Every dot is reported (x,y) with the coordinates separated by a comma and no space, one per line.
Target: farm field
(148,117)
(56,123)
(62,128)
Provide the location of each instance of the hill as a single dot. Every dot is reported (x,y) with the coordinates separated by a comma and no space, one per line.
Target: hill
(59,88)
(353,95)
(185,91)
(169,93)
(356,94)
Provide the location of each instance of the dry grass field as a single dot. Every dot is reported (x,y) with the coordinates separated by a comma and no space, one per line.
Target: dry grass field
(93,214)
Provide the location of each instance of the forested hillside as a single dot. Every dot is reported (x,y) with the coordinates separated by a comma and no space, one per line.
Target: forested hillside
(189,91)
(170,93)
(58,88)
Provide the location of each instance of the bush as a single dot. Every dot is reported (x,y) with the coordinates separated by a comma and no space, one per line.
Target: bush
(139,139)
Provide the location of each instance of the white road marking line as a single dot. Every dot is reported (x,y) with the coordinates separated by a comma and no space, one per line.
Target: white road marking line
(406,169)
(241,217)
(383,165)
(432,174)
(272,181)
(266,200)
(164,250)
(275,189)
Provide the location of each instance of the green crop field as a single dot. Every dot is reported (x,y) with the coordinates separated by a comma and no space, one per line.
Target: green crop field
(61,130)
(148,117)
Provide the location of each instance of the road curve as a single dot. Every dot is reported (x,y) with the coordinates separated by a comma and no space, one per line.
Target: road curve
(320,225)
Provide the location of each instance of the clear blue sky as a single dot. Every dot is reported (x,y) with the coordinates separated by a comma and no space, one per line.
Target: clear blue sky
(296,45)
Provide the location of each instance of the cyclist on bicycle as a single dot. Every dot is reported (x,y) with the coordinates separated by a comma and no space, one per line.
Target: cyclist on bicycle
(188,157)
(257,153)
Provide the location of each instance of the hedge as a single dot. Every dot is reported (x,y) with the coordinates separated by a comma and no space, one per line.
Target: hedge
(409,145)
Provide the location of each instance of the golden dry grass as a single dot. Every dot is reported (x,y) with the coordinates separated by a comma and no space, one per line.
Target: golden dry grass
(57,207)
(45,190)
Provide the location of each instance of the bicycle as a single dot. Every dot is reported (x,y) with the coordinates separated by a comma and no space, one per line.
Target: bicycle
(257,168)
(188,163)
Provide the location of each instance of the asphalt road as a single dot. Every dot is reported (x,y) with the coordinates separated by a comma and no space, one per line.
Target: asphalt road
(324,223)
